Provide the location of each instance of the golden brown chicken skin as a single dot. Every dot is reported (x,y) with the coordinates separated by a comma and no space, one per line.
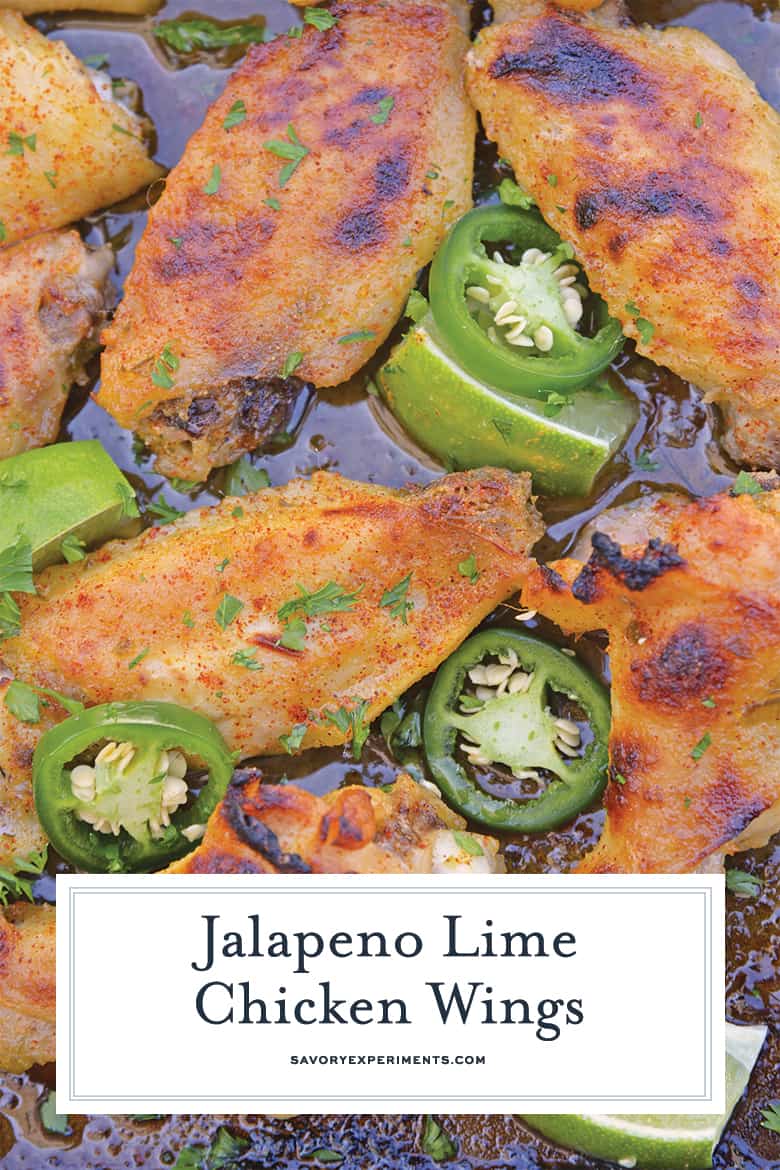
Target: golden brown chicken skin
(54,293)
(653,154)
(139,618)
(27,996)
(260,272)
(267,828)
(693,620)
(66,147)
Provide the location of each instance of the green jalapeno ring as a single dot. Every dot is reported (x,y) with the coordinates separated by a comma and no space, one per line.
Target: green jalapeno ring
(149,726)
(574,359)
(515,725)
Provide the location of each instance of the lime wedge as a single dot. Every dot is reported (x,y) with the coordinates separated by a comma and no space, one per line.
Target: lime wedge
(658,1142)
(464,423)
(66,489)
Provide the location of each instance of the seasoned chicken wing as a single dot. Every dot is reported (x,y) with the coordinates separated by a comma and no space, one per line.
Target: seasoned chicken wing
(191,612)
(654,155)
(288,238)
(27,1000)
(694,638)
(266,828)
(67,147)
(53,295)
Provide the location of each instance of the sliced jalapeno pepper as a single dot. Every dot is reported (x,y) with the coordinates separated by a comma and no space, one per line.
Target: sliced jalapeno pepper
(490,702)
(513,325)
(129,810)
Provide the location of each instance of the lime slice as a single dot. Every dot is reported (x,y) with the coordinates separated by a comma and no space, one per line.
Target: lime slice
(66,489)
(658,1142)
(467,424)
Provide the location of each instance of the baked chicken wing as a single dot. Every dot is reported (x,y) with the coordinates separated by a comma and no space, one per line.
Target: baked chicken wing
(54,293)
(693,621)
(366,579)
(27,999)
(66,147)
(266,828)
(654,155)
(288,237)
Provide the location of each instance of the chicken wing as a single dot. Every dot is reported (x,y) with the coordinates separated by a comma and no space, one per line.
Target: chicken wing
(654,155)
(27,999)
(66,149)
(694,639)
(265,828)
(289,236)
(190,612)
(54,293)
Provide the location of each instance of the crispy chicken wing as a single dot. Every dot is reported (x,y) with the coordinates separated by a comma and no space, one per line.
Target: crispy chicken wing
(263,268)
(265,828)
(162,595)
(53,295)
(66,149)
(694,637)
(27,999)
(654,155)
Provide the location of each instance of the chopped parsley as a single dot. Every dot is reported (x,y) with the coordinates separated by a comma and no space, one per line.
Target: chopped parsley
(138,658)
(468,568)
(72,548)
(187,619)
(395,599)
(351,723)
(164,511)
(293,636)
(242,478)
(293,741)
(416,306)
(294,151)
(51,178)
(17,143)
(215,180)
(746,485)
(436,1143)
(166,365)
(384,111)
(228,610)
(247,659)
(15,883)
(16,569)
(698,121)
(273,203)
(743,885)
(331,598)
(320,18)
(468,843)
(189,36)
(235,115)
(645,328)
(698,751)
(223,565)
(291,363)
(358,335)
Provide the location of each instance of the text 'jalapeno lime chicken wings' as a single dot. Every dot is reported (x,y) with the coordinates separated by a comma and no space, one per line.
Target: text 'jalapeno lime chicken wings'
(288,238)
(693,619)
(653,154)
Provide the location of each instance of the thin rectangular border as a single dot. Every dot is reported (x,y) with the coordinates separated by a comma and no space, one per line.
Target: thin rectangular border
(115,888)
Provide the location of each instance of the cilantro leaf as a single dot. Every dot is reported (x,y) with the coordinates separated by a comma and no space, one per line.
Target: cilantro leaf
(645,462)
(416,306)
(22,701)
(10,617)
(358,335)
(72,548)
(291,363)
(468,843)
(247,659)
(215,180)
(51,1120)
(468,568)
(293,636)
(16,571)
(698,751)
(235,115)
(771,1116)
(163,510)
(320,18)
(746,485)
(228,610)
(188,36)
(242,478)
(226,1149)
(351,723)
(395,599)
(294,150)
(128,500)
(138,658)
(384,111)
(330,598)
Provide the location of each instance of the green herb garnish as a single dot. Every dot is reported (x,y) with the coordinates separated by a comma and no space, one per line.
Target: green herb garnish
(228,610)
(293,741)
(189,36)
(468,568)
(395,599)
(73,549)
(294,151)
(384,111)
(436,1143)
(235,115)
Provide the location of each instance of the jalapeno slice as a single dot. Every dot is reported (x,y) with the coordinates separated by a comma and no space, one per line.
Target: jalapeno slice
(511,325)
(490,703)
(130,810)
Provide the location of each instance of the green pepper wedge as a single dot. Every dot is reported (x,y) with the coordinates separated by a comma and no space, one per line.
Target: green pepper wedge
(512,325)
(111,817)
(510,722)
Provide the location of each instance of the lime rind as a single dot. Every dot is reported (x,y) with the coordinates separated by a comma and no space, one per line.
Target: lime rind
(465,424)
(658,1142)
